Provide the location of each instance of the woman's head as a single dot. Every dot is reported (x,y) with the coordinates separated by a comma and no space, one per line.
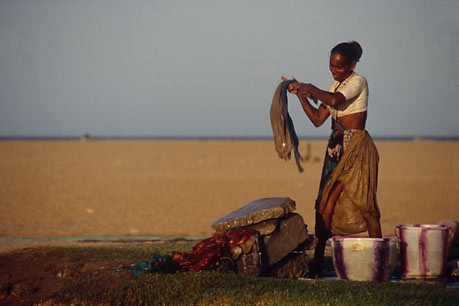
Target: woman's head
(351,50)
(343,59)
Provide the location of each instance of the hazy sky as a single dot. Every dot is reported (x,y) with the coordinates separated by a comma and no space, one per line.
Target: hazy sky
(210,68)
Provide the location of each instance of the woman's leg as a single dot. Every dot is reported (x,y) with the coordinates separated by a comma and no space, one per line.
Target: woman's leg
(323,226)
(373,225)
(322,236)
(330,205)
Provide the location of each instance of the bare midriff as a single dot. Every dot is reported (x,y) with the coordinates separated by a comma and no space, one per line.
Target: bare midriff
(353,121)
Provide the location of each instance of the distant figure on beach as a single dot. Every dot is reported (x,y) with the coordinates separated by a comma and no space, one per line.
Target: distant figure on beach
(85,137)
(346,202)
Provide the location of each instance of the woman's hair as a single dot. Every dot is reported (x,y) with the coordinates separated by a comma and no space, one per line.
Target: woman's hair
(351,50)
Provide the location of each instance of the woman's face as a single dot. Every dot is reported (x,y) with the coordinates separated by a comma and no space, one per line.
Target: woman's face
(339,67)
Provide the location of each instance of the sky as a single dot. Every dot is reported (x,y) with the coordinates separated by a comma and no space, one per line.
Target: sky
(178,68)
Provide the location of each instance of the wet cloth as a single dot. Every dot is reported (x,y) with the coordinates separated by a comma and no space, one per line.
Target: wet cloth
(352,159)
(203,256)
(208,251)
(156,264)
(285,138)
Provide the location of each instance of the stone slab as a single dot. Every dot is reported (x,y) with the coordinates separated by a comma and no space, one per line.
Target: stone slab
(265,227)
(255,212)
(290,233)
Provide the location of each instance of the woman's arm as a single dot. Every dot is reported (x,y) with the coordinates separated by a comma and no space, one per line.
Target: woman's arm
(328,98)
(316,115)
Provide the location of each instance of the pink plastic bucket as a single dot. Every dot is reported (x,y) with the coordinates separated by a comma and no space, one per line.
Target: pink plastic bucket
(423,250)
(364,259)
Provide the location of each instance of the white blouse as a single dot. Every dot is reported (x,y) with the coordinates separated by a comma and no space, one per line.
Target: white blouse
(355,90)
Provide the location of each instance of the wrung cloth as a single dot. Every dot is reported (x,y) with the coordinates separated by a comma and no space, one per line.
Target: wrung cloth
(357,170)
(205,255)
(285,138)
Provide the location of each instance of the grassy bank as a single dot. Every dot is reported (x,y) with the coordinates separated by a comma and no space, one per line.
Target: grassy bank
(100,275)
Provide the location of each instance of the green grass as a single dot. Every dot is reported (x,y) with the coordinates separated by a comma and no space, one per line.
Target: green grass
(212,288)
(125,253)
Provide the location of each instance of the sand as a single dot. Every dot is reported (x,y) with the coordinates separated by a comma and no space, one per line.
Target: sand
(179,187)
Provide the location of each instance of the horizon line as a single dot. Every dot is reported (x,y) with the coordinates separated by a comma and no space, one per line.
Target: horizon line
(87,136)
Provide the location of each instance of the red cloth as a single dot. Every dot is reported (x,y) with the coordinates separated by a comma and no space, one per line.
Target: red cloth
(208,251)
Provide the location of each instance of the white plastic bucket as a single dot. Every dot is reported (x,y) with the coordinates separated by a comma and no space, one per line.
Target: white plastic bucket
(423,250)
(364,259)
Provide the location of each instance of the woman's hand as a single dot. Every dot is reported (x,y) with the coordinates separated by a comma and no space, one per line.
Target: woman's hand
(305,90)
(293,87)
(300,89)
(285,79)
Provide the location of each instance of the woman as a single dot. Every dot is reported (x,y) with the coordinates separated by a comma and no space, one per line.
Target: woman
(346,203)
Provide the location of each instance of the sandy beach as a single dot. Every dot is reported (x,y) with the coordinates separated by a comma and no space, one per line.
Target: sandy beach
(180,187)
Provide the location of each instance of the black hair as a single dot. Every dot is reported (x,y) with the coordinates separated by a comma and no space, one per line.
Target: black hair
(351,50)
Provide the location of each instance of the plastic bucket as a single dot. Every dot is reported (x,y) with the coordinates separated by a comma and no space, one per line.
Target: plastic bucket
(423,250)
(364,259)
